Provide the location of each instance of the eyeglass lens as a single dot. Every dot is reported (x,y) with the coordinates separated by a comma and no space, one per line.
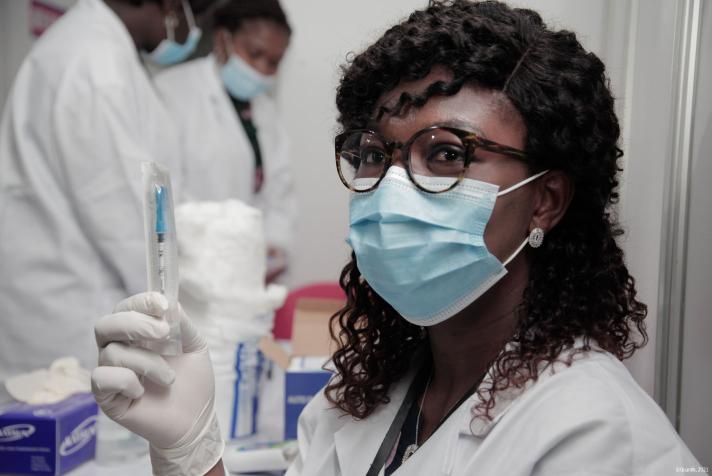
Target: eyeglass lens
(433,153)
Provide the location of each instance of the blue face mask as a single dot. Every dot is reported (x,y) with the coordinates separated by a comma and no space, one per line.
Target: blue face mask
(169,51)
(242,81)
(424,253)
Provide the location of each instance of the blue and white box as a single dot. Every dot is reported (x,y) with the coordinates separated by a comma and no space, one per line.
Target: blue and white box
(305,377)
(49,439)
(311,346)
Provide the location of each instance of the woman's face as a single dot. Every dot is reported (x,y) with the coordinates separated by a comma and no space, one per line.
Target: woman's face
(261,43)
(491,115)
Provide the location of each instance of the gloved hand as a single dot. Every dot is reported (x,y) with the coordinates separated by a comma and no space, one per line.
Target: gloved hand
(166,400)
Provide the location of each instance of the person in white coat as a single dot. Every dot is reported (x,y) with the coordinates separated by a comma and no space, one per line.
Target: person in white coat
(234,141)
(80,118)
(489,305)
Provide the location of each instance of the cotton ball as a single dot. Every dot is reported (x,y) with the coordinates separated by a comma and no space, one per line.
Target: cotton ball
(221,249)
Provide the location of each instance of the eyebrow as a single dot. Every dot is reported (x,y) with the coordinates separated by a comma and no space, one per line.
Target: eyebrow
(464,125)
(455,123)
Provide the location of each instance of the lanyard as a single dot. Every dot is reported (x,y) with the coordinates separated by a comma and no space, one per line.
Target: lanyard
(392,434)
(379,460)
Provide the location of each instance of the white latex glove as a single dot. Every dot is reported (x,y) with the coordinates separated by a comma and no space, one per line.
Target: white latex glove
(166,400)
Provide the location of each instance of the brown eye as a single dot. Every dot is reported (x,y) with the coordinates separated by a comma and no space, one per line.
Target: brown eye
(373,156)
(445,154)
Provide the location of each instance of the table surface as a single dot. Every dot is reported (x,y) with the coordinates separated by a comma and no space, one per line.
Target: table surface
(140,467)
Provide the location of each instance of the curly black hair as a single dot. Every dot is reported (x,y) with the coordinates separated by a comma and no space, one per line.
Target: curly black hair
(578,282)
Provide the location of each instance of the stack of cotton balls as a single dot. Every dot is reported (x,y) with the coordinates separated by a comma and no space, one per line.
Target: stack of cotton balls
(222,262)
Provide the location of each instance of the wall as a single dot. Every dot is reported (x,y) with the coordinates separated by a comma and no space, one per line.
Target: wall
(648,126)
(15,39)
(696,384)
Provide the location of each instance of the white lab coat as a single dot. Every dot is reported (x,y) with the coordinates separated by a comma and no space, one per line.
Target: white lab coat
(81,117)
(588,419)
(219,160)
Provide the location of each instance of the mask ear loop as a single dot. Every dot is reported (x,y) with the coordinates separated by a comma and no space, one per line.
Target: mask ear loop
(522,183)
(510,189)
(170,21)
(188,12)
(514,255)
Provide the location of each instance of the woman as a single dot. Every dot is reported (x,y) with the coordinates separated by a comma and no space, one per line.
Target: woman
(234,140)
(80,118)
(488,302)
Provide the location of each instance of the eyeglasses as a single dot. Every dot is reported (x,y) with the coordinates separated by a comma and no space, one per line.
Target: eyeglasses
(363,157)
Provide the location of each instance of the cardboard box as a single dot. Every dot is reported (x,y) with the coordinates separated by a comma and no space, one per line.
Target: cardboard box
(47,439)
(312,347)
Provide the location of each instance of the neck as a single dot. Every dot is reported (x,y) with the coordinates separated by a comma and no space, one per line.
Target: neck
(134,19)
(463,346)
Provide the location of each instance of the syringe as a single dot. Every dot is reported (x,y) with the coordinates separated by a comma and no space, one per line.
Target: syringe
(161,234)
(161,252)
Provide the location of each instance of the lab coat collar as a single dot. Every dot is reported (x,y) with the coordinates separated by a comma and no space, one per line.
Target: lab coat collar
(504,399)
(481,426)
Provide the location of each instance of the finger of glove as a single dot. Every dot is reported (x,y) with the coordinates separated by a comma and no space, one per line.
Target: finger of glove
(143,362)
(151,303)
(129,326)
(109,383)
(191,338)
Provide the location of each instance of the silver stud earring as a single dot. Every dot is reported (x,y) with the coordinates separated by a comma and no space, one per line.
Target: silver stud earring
(536,237)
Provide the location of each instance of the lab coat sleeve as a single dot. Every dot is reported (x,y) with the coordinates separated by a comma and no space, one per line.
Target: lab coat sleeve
(99,148)
(278,198)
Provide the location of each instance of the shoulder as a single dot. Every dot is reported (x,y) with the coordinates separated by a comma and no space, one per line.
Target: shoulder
(320,415)
(86,44)
(596,386)
(594,411)
(599,384)
(186,77)
(187,87)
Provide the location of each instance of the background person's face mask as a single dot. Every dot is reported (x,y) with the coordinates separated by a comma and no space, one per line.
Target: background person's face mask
(169,51)
(424,253)
(241,80)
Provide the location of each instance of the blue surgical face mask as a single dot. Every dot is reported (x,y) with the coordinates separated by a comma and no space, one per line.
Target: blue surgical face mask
(169,51)
(425,253)
(242,81)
